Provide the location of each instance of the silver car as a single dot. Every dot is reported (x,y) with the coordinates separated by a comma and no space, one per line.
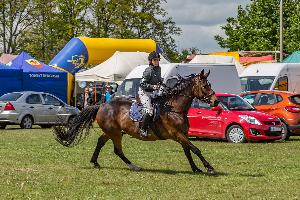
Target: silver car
(28,108)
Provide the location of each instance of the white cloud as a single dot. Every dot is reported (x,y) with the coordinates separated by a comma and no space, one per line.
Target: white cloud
(200,20)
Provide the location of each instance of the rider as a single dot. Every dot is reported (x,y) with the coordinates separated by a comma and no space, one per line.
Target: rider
(150,83)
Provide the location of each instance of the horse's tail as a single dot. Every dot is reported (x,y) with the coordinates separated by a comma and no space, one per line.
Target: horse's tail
(78,129)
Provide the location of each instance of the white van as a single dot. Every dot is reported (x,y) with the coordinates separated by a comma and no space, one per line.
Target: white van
(223,77)
(271,76)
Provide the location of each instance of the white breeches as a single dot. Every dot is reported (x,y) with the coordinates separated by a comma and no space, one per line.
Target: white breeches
(146,101)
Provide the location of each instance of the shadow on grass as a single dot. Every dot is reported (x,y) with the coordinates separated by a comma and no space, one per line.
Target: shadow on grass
(254,175)
(161,171)
(206,139)
(223,140)
(8,129)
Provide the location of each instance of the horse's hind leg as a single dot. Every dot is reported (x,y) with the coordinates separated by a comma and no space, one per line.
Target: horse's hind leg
(117,140)
(101,142)
(190,159)
(187,144)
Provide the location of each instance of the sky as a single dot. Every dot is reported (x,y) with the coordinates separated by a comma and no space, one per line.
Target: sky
(200,20)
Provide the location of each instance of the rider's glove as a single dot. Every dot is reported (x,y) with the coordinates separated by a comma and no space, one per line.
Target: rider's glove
(155,87)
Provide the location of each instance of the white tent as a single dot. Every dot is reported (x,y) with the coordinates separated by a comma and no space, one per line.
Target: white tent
(116,67)
(218,60)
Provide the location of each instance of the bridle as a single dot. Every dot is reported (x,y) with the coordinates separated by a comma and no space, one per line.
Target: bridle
(207,97)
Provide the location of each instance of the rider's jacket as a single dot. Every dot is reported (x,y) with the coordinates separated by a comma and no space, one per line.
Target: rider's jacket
(151,77)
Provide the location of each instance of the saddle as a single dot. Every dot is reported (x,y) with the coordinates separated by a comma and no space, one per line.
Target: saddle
(136,111)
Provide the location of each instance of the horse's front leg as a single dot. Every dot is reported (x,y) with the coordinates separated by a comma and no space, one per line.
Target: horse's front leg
(101,142)
(190,159)
(183,140)
(117,140)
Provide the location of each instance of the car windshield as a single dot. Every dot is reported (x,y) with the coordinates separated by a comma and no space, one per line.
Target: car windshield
(10,96)
(251,83)
(129,87)
(235,103)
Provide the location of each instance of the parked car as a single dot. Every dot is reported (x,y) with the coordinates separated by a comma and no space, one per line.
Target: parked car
(28,108)
(285,105)
(234,119)
(271,76)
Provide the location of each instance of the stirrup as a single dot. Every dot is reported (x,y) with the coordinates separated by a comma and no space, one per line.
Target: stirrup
(143,133)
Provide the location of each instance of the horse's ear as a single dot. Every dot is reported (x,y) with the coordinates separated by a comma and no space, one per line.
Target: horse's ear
(207,74)
(202,73)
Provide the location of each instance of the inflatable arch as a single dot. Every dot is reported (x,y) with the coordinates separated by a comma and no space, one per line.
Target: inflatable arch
(83,50)
(80,51)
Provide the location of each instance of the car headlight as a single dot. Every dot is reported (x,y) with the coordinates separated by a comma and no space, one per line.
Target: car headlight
(250,119)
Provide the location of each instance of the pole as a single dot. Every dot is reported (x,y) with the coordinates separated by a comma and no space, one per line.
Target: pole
(281,31)
(75,91)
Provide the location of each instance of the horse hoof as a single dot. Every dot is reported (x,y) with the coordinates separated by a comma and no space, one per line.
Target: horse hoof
(197,170)
(134,167)
(211,171)
(96,165)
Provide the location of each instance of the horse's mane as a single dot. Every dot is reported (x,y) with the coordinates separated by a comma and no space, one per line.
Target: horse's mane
(182,84)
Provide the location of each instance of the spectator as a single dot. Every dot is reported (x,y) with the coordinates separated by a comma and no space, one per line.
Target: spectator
(108,94)
(88,97)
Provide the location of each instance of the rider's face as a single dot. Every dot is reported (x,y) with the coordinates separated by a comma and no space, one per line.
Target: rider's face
(155,62)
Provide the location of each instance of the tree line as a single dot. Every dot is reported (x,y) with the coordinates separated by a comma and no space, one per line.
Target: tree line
(256,27)
(43,27)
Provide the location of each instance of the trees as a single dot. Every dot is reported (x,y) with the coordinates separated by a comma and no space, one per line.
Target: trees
(43,27)
(15,18)
(256,27)
(133,19)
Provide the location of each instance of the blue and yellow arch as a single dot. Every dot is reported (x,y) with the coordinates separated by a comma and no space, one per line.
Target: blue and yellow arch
(83,50)
(80,51)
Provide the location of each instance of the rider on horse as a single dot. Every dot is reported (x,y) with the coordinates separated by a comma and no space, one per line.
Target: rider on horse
(150,83)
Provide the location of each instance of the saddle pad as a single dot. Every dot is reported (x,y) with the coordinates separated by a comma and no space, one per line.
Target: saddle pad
(136,112)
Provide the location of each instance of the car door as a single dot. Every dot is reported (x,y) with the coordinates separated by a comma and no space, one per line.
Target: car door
(267,103)
(35,107)
(195,117)
(212,122)
(54,107)
(203,120)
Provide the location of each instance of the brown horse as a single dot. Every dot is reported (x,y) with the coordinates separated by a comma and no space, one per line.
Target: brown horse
(113,118)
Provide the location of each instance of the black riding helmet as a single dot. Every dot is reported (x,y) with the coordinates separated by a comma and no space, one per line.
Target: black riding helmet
(153,55)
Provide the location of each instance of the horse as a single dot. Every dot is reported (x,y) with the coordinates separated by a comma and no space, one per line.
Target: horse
(113,118)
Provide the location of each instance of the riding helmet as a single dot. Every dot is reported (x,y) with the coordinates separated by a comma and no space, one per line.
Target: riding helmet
(153,55)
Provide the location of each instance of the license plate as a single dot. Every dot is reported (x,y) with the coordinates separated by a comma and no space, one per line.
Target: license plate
(275,129)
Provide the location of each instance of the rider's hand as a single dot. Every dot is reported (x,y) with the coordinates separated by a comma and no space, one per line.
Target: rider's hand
(155,87)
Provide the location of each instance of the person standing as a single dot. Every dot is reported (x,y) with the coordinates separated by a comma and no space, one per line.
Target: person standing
(150,83)
(108,94)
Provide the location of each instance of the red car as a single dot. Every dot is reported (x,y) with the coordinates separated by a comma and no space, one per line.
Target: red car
(234,119)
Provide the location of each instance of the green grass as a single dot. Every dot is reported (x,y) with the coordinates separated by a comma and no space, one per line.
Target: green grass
(34,166)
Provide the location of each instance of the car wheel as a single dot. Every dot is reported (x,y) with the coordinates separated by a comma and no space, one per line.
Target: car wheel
(285,132)
(235,134)
(26,122)
(2,126)
(71,119)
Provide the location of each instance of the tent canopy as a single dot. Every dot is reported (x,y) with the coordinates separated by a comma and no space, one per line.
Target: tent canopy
(116,67)
(11,78)
(216,59)
(40,77)
(293,58)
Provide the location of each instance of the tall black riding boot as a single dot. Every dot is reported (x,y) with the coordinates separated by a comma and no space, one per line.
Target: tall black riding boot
(144,125)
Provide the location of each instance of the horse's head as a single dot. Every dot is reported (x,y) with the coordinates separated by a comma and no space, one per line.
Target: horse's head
(201,89)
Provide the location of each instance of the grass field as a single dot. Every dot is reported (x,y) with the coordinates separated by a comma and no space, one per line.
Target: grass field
(34,166)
